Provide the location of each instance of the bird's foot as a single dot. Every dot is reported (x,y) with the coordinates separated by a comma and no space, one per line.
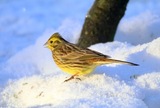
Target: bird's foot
(72,77)
(78,79)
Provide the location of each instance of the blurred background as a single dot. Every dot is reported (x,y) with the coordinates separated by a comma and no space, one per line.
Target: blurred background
(22,22)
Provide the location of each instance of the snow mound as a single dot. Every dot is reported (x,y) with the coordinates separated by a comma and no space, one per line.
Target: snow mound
(150,86)
(155,51)
(93,91)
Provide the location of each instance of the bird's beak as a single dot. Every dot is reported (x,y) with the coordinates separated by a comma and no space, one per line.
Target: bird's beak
(46,45)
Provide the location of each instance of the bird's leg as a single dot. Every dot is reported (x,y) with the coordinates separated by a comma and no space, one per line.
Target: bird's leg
(78,79)
(72,77)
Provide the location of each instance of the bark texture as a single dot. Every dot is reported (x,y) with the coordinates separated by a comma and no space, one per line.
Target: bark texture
(101,22)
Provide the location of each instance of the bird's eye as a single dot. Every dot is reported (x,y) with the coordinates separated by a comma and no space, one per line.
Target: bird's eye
(51,41)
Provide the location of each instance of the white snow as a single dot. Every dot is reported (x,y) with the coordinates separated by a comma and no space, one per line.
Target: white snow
(30,78)
(140,23)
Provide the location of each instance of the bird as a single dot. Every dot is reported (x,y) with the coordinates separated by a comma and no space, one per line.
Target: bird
(75,60)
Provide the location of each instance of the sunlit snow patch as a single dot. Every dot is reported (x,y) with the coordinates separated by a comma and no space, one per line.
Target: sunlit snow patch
(93,91)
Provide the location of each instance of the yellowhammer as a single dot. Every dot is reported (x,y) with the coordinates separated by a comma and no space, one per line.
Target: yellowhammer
(75,60)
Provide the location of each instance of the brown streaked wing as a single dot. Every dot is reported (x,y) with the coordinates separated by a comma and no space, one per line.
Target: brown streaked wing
(74,52)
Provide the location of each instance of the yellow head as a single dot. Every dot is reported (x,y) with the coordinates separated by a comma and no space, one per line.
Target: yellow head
(54,41)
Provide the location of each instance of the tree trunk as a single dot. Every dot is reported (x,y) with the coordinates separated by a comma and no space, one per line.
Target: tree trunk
(101,22)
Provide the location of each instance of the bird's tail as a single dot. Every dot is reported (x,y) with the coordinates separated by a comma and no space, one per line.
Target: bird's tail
(110,61)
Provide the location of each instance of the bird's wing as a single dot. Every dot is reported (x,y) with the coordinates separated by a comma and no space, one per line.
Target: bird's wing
(71,51)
